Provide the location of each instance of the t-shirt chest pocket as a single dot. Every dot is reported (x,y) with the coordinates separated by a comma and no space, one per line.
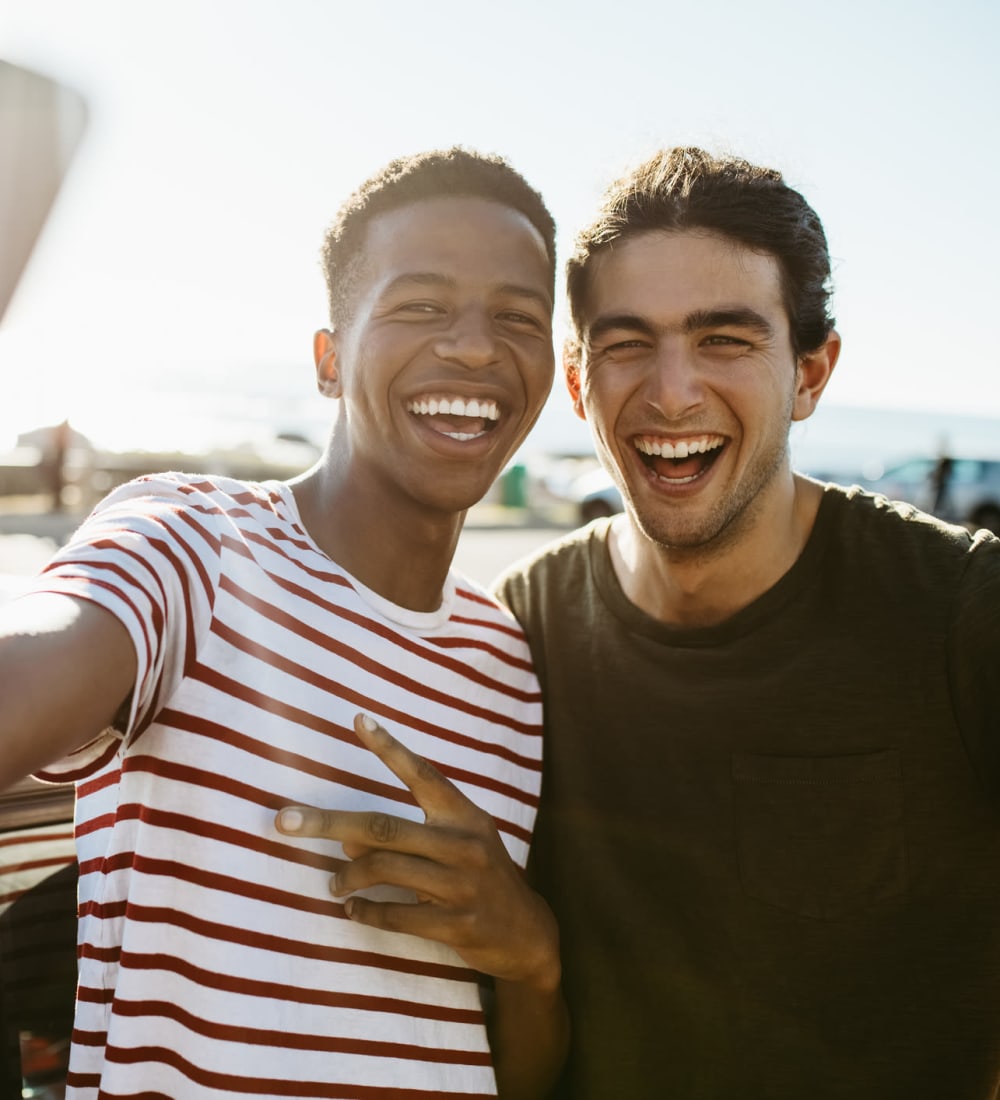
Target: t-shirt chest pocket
(821,836)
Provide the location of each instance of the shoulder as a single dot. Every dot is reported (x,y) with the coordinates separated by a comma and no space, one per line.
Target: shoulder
(172,522)
(475,605)
(209,492)
(180,501)
(564,563)
(892,529)
(889,554)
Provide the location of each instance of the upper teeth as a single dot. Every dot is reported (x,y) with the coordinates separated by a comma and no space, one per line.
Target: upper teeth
(680,448)
(454,406)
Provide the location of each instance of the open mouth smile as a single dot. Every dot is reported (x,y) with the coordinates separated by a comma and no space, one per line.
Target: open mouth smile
(459,418)
(679,461)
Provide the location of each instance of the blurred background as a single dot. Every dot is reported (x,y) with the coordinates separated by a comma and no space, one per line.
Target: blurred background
(165,315)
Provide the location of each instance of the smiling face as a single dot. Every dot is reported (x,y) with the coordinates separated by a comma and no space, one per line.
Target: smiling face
(447,357)
(688,379)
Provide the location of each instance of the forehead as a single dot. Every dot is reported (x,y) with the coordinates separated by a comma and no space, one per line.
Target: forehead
(659,274)
(468,241)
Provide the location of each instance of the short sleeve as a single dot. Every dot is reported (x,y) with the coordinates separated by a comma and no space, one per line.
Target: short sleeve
(150,555)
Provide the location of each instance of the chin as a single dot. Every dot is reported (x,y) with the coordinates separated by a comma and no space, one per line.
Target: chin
(456,502)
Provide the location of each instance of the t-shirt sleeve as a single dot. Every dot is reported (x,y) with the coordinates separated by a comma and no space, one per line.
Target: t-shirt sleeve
(512,588)
(149,554)
(974,659)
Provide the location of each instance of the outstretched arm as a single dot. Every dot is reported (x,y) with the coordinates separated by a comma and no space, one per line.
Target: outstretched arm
(470,895)
(66,666)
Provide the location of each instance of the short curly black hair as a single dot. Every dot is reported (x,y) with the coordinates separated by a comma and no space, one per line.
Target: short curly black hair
(685,188)
(454,172)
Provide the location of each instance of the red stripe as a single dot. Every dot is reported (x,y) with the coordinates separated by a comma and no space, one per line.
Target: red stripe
(247,1086)
(486,647)
(213,781)
(73,775)
(477,597)
(227,933)
(270,705)
(410,645)
(328,643)
(104,565)
(278,849)
(295,994)
(96,824)
(510,629)
(98,783)
(272,1037)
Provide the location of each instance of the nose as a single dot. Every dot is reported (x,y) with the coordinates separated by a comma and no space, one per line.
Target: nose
(469,340)
(674,385)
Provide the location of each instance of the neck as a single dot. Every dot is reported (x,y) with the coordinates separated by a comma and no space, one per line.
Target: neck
(392,545)
(703,586)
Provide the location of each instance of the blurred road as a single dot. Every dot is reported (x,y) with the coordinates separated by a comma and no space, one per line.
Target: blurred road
(484,551)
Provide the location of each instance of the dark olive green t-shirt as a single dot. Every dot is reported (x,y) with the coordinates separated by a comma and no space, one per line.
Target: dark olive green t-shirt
(773,845)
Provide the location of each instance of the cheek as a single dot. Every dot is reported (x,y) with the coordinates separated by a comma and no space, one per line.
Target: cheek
(606,392)
(540,371)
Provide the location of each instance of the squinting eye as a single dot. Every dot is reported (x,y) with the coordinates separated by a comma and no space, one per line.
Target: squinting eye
(517,318)
(625,345)
(419,307)
(720,339)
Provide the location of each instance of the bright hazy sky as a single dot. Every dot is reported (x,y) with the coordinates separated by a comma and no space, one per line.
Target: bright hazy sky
(224,134)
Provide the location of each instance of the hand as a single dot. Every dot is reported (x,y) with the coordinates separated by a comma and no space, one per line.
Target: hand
(470,893)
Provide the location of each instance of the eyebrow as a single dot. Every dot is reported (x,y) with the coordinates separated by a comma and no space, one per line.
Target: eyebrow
(613,321)
(735,317)
(433,278)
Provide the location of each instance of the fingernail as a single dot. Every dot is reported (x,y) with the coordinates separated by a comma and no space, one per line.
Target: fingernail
(349,907)
(291,820)
(369,723)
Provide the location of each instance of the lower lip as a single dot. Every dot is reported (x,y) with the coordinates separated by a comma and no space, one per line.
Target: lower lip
(448,445)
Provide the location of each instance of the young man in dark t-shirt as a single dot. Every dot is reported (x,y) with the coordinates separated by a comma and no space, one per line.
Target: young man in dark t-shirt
(769,825)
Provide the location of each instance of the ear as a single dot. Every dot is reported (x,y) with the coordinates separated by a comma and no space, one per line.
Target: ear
(325,356)
(572,355)
(812,375)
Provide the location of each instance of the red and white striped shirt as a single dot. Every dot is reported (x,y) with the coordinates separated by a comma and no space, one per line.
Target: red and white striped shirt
(213,959)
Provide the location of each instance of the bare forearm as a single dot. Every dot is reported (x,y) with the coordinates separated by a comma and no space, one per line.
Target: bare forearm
(65,667)
(529,1035)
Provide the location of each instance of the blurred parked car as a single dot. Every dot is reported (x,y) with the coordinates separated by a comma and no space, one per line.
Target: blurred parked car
(961,490)
(595,495)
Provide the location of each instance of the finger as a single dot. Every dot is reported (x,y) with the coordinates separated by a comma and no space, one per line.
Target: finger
(431,922)
(358,831)
(426,878)
(437,796)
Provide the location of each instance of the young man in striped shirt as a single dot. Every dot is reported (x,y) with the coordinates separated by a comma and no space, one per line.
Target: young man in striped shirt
(198,657)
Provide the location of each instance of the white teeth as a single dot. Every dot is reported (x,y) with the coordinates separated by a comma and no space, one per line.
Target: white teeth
(454,406)
(683,448)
